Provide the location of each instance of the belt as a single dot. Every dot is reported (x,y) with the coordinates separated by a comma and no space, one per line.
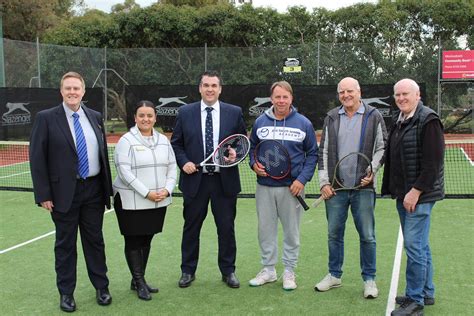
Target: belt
(210,173)
(79,179)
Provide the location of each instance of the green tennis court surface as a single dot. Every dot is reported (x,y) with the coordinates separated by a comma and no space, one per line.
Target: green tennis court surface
(28,280)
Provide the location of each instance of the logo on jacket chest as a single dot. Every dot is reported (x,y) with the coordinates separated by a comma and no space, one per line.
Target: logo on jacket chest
(281,133)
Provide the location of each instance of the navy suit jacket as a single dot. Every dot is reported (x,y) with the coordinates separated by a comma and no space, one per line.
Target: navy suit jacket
(188,146)
(53,158)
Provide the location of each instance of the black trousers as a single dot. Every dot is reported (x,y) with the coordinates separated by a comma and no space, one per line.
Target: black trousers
(195,212)
(86,214)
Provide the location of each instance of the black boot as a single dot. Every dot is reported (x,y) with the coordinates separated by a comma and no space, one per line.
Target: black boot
(135,263)
(146,254)
(151,288)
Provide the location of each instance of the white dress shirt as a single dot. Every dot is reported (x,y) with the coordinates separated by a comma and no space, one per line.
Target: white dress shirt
(215,127)
(91,139)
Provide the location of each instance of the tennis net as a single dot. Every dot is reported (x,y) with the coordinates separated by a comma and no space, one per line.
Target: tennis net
(459,170)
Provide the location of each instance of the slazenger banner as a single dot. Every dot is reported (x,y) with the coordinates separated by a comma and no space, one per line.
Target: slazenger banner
(18,108)
(312,101)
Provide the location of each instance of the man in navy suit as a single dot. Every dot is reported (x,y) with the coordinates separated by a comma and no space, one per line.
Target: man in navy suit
(199,128)
(73,183)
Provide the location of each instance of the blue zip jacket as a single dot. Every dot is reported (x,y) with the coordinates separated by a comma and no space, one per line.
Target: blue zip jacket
(296,133)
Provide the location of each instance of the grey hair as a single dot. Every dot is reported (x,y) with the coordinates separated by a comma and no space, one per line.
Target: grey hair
(357,86)
(411,82)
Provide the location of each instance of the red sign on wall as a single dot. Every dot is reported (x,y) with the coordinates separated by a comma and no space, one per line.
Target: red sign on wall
(458,64)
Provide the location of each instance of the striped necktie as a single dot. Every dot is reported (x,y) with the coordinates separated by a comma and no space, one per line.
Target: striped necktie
(81,148)
(209,136)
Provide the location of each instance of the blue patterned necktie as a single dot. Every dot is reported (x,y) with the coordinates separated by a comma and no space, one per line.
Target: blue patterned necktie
(209,137)
(81,148)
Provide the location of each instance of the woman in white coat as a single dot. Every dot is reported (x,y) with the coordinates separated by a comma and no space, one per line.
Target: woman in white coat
(146,177)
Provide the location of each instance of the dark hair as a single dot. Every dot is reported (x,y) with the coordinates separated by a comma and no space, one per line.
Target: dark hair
(144,103)
(211,73)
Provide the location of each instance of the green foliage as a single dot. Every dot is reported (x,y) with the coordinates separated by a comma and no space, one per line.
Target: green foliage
(127,6)
(27,19)
(163,43)
(94,29)
(193,3)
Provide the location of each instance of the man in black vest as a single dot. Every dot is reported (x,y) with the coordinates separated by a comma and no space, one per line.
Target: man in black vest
(413,175)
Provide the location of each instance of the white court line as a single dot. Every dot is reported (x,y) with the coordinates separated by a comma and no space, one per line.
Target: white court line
(467,157)
(14,175)
(27,242)
(14,164)
(36,238)
(395,274)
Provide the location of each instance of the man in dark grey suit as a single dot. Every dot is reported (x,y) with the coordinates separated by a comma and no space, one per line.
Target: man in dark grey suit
(199,128)
(71,179)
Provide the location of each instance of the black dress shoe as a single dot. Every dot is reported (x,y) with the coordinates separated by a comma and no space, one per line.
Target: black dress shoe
(231,280)
(67,303)
(103,297)
(186,280)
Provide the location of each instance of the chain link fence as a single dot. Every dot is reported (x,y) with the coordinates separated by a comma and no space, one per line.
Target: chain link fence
(29,64)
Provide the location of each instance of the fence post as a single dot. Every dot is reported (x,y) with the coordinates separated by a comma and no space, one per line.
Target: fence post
(439,77)
(105,88)
(38,61)
(2,60)
(205,56)
(317,67)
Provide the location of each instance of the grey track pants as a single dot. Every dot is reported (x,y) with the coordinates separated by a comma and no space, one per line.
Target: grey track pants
(275,203)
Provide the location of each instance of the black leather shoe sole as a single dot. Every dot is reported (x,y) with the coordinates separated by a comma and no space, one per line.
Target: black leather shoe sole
(103,297)
(231,281)
(186,281)
(428,300)
(67,303)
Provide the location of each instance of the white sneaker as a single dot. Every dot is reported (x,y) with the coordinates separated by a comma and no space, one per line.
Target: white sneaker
(370,289)
(289,280)
(327,283)
(264,276)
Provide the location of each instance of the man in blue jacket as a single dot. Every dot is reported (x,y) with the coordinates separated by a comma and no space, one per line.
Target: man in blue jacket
(276,198)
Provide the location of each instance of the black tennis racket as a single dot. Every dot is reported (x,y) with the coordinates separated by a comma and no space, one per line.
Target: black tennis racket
(275,159)
(349,172)
(230,152)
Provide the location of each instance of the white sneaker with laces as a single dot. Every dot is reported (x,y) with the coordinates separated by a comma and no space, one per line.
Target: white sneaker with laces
(370,289)
(327,283)
(264,276)
(289,280)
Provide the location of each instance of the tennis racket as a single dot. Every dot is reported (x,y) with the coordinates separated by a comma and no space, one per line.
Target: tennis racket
(230,152)
(349,172)
(275,159)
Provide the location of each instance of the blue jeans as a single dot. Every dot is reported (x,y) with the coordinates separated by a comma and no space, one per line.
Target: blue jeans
(362,203)
(416,232)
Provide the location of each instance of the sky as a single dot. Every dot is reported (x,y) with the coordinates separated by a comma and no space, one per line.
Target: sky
(280,5)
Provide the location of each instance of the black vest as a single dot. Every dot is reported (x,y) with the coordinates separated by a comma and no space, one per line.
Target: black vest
(411,154)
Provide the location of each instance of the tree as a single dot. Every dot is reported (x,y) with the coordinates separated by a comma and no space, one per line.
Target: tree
(163,43)
(127,6)
(28,19)
(193,3)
